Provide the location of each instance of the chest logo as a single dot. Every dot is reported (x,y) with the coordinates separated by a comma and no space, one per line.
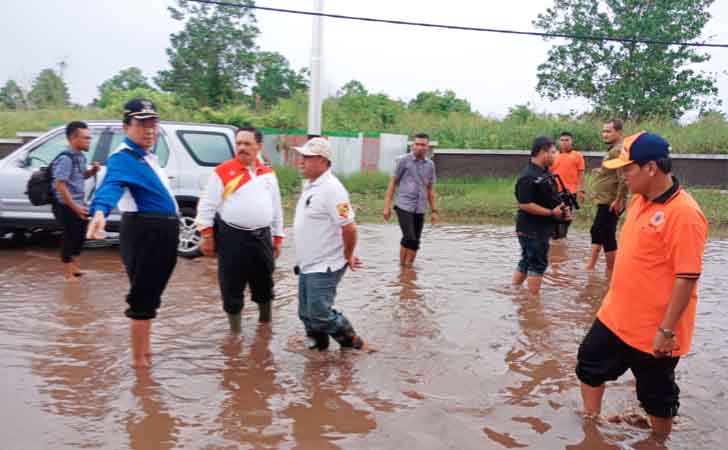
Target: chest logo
(657,219)
(343,210)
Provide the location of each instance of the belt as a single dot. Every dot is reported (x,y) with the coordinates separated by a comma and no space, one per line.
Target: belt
(137,215)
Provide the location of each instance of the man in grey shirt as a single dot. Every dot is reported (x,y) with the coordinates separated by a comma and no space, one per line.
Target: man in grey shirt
(415,177)
(69,172)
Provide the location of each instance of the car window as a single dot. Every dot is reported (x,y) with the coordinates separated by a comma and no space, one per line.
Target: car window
(44,154)
(207,148)
(161,149)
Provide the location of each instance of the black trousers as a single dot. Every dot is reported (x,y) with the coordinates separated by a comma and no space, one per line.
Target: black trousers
(411,225)
(74,231)
(149,251)
(244,257)
(604,228)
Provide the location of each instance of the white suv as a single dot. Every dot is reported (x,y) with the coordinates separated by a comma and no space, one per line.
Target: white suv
(188,152)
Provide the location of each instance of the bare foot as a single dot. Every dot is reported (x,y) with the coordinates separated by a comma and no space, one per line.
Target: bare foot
(142,363)
(71,279)
(589,268)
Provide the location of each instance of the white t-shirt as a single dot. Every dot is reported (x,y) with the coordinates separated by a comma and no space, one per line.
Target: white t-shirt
(322,210)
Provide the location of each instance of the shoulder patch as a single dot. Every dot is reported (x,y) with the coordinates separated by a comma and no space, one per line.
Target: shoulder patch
(343,210)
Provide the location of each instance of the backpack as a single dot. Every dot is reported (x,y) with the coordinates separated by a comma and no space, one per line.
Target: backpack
(40,185)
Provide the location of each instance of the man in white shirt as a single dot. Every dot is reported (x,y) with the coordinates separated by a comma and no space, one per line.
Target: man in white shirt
(325,238)
(240,218)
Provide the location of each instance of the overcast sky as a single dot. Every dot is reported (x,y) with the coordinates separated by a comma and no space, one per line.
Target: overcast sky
(97,38)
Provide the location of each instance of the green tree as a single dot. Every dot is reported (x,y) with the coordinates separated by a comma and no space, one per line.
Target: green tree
(49,91)
(12,96)
(438,102)
(631,80)
(125,80)
(355,109)
(274,78)
(213,57)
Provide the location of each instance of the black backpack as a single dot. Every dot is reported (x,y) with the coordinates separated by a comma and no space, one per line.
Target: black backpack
(40,184)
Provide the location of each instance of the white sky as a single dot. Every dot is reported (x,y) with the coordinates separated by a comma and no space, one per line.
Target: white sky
(97,38)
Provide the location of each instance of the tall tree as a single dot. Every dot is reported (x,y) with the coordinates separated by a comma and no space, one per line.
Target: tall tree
(213,57)
(12,96)
(439,102)
(632,80)
(126,80)
(49,91)
(274,78)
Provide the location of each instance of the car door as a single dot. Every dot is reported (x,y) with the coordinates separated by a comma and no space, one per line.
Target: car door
(14,202)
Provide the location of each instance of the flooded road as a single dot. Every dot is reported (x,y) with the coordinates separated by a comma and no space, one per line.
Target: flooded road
(464,360)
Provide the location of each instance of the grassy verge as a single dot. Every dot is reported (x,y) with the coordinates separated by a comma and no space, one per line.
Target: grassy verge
(473,201)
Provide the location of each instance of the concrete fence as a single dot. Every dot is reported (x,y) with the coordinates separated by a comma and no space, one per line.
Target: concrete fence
(695,170)
(351,154)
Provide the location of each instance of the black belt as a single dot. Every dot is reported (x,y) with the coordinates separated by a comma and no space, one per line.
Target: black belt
(137,215)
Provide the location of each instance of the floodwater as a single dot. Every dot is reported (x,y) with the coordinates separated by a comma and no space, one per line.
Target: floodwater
(464,361)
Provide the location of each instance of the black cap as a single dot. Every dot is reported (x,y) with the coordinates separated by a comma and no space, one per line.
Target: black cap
(139,108)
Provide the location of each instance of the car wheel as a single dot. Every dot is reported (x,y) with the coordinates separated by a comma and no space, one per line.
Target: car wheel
(189,237)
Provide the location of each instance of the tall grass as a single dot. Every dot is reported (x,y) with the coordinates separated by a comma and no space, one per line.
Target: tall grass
(456,130)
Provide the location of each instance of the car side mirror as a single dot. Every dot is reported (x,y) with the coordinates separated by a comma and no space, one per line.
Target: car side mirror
(23,162)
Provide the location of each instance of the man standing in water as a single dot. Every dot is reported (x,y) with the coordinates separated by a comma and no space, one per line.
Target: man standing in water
(69,209)
(415,177)
(569,165)
(647,318)
(149,225)
(240,218)
(609,193)
(539,210)
(325,237)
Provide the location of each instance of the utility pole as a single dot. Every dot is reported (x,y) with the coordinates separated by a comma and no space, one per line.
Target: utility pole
(314,100)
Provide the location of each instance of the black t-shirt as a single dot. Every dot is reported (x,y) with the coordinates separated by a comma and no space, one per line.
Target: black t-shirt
(535,185)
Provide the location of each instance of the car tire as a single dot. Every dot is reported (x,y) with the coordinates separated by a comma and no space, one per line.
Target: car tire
(189,237)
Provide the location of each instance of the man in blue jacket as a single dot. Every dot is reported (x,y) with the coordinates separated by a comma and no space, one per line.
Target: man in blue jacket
(150,221)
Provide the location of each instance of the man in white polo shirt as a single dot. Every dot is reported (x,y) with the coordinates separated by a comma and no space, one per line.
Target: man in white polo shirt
(325,238)
(240,218)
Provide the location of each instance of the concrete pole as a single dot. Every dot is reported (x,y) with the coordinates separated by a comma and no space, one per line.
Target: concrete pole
(314,101)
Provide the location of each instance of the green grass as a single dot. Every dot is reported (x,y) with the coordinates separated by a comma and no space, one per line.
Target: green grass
(456,130)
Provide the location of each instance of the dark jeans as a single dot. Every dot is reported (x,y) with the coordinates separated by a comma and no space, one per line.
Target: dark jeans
(74,231)
(244,257)
(604,229)
(149,250)
(534,256)
(316,295)
(411,225)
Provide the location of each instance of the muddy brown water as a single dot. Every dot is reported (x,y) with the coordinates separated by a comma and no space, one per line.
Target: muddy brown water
(464,360)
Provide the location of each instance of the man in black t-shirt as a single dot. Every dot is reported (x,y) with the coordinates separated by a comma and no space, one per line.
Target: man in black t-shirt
(539,210)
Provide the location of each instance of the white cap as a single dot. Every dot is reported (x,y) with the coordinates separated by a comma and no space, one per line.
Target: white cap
(317,146)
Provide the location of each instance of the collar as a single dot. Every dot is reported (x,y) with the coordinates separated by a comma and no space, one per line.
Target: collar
(414,158)
(258,165)
(668,194)
(537,167)
(318,181)
(135,148)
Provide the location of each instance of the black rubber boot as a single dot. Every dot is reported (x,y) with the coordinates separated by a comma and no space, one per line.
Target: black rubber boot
(347,338)
(264,312)
(317,341)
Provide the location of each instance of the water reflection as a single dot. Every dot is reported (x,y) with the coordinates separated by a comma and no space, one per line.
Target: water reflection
(464,360)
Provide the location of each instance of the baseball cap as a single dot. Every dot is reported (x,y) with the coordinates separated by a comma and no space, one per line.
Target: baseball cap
(640,148)
(317,146)
(140,108)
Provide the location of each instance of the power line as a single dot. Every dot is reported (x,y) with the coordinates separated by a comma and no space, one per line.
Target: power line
(463,28)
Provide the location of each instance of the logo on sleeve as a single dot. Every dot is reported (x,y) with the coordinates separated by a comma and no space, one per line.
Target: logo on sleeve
(343,210)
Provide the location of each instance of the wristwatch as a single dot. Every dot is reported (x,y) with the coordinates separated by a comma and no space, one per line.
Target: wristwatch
(667,333)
